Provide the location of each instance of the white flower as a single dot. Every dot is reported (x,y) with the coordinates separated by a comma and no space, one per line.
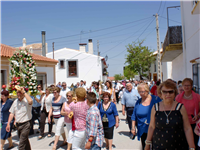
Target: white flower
(35,90)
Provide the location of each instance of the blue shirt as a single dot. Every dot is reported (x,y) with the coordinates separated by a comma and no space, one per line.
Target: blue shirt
(35,103)
(130,98)
(5,110)
(142,115)
(111,112)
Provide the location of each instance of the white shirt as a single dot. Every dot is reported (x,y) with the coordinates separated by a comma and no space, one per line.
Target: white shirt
(22,110)
(64,92)
(48,102)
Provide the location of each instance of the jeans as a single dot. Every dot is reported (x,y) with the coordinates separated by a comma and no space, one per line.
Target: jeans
(79,140)
(95,147)
(35,115)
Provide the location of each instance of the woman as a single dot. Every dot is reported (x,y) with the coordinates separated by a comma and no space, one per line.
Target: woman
(142,112)
(95,89)
(190,100)
(65,111)
(46,102)
(55,109)
(169,126)
(5,106)
(110,90)
(109,117)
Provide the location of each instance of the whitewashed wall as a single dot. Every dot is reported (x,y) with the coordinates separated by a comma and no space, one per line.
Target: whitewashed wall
(89,66)
(49,72)
(167,70)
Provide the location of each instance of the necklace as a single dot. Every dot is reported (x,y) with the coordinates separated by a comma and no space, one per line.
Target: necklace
(167,121)
(188,96)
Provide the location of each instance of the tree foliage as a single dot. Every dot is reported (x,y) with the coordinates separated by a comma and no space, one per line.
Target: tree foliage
(118,77)
(128,73)
(139,58)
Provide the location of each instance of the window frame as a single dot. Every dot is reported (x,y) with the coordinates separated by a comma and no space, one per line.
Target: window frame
(59,60)
(67,68)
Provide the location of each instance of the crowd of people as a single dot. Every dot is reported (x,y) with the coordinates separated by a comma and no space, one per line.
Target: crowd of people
(164,116)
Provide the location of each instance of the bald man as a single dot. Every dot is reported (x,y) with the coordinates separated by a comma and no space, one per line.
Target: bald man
(129,99)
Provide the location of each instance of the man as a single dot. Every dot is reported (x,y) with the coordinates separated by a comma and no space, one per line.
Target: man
(59,85)
(21,109)
(94,127)
(64,90)
(36,108)
(85,86)
(117,88)
(129,99)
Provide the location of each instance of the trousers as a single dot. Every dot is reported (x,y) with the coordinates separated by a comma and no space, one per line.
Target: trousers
(129,111)
(23,132)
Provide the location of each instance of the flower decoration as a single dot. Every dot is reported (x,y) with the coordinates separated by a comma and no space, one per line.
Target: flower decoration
(23,71)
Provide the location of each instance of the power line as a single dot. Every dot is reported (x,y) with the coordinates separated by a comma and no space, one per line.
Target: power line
(170,19)
(159,7)
(87,32)
(136,39)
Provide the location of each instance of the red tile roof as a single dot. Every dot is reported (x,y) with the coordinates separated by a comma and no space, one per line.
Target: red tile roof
(7,51)
(111,78)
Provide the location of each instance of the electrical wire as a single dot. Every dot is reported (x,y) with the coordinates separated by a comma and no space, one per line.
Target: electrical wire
(87,32)
(159,7)
(170,19)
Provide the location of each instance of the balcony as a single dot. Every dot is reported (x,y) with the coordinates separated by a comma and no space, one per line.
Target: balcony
(172,46)
(196,8)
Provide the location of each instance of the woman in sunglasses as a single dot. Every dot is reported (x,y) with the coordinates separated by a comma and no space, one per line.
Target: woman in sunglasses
(169,126)
(142,112)
(191,100)
(55,110)
(65,111)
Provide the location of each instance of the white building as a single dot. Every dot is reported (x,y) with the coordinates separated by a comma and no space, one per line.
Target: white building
(75,65)
(181,45)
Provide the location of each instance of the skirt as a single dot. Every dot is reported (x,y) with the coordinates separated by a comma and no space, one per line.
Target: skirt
(4,133)
(108,132)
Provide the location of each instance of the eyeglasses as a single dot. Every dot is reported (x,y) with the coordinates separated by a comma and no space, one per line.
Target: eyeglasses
(141,92)
(165,92)
(63,85)
(186,85)
(69,96)
(55,92)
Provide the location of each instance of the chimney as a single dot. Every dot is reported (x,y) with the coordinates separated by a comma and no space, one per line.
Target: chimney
(90,46)
(82,47)
(43,44)
(24,42)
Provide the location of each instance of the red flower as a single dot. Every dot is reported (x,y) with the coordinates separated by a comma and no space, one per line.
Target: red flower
(18,83)
(30,65)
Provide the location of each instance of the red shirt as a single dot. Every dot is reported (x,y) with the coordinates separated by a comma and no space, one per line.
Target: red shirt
(154,90)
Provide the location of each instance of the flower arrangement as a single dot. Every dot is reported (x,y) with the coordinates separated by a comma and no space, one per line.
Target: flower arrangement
(23,71)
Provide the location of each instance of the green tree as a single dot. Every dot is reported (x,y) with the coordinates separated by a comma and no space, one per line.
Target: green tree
(128,73)
(118,77)
(139,58)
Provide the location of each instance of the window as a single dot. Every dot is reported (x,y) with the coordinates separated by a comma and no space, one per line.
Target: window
(155,66)
(61,64)
(72,70)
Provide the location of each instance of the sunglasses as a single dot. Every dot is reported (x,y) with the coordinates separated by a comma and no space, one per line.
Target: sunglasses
(63,85)
(165,92)
(69,96)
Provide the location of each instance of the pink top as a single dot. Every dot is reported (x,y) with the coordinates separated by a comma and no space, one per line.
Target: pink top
(67,109)
(191,106)
(80,112)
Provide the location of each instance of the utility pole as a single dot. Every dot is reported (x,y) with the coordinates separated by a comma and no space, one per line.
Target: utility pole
(98,52)
(53,49)
(159,74)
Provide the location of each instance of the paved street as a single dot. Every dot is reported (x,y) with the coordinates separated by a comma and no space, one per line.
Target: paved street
(120,141)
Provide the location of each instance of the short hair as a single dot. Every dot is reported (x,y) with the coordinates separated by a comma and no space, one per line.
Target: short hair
(143,85)
(70,92)
(5,93)
(167,84)
(187,79)
(49,88)
(109,83)
(80,92)
(64,83)
(107,94)
(91,96)
(179,82)
(158,83)
(56,89)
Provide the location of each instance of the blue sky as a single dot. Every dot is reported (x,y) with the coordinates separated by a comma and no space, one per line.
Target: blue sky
(114,24)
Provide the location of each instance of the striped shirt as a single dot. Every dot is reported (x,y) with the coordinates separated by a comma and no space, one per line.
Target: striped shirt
(94,126)
(57,107)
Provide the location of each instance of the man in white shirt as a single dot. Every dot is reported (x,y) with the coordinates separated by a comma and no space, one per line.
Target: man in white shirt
(64,90)
(21,109)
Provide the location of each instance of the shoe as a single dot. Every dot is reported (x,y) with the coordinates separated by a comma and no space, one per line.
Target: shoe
(37,131)
(132,137)
(63,144)
(40,137)
(10,147)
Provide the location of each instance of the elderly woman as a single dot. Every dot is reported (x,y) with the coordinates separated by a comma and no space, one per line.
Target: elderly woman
(142,112)
(109,116)
(191,100)
(65,111)
(55,110)
(169,126)
(46,102)
(5,106)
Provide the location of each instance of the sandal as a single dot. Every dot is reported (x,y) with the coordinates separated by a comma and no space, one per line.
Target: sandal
(40,137)
(49,135)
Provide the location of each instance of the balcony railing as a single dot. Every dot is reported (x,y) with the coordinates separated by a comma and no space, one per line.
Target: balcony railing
(173,36)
